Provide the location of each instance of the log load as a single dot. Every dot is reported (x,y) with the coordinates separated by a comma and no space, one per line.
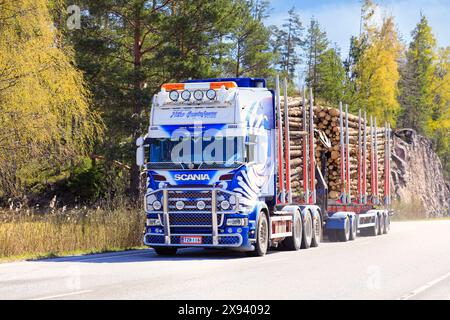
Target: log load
(326,119)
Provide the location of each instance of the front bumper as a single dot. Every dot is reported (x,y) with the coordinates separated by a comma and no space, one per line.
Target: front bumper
(223,240)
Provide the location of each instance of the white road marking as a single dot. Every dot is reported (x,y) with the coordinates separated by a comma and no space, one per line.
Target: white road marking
(425,287)
(62,295)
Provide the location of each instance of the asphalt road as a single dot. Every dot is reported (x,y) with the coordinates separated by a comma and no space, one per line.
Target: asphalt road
(411,262)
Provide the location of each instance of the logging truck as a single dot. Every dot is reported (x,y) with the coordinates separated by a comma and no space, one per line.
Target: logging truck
(218,166)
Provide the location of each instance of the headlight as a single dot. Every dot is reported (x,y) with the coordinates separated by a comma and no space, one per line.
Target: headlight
(237,222)
(211,94)
(232,199)
(174,95)
(186,95)
(156,205)
(225,205)
(179,205)
(201,205)
(198,95)
(153,222)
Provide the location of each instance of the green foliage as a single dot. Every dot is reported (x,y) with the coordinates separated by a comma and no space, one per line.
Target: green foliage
(425,90)
(87,182)
(315,46)
(250,54)
(286,42)
(128,49)
(417,76)
(331,77)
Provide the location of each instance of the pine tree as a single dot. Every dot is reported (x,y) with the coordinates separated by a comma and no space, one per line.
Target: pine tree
(250,55)
(331,77)
(315,46)
(417,76)
(129,48)
(286,43)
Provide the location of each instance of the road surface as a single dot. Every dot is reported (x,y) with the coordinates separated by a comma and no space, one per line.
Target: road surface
(411,262)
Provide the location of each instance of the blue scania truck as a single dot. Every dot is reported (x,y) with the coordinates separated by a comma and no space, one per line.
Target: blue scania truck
(218,170)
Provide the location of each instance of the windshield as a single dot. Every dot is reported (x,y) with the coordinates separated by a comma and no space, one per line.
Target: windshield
(204,151)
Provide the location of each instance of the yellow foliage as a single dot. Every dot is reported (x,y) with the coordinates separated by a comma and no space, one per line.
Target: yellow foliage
(378,73)
(45,119)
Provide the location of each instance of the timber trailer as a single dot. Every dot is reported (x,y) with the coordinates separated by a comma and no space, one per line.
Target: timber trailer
(218,172)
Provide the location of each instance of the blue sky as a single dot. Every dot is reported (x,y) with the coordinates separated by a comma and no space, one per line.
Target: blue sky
(340,18)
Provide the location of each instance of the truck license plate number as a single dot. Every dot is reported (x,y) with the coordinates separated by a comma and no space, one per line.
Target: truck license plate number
(191,240)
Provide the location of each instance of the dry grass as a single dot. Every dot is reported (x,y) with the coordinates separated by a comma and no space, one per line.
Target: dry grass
(27,234)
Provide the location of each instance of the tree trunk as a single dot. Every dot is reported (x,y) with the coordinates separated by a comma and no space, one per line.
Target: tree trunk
(137,105)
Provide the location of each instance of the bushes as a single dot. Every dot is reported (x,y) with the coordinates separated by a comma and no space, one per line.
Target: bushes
(87,182)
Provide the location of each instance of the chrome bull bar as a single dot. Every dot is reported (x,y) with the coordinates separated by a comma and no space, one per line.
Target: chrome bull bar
(166,216)
(214,221)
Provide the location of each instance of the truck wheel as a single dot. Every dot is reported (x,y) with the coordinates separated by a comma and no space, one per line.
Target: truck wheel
(387,223)
(262,237)
(165,251)
(307,231)
(317,234)
(344,234)
(381,225)
(373,231)
(354,228)
(295,242)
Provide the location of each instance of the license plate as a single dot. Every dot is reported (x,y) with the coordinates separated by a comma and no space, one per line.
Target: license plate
(191,240)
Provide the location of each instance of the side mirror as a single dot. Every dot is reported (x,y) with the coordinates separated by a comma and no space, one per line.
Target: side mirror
(140,156)
(139,141)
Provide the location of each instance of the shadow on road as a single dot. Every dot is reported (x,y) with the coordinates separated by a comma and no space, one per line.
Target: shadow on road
(149,255)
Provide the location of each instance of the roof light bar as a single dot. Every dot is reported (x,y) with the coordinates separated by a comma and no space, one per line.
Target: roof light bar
(199,86)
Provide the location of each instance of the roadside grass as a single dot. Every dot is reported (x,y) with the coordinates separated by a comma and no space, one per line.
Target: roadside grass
(25,234)
(400,218)
(414,210)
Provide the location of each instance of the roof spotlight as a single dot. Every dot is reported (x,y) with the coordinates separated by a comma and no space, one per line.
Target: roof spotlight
(198,95)
(174,95)
(211,94)
(186,95)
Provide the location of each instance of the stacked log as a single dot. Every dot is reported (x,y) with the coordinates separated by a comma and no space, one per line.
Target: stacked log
(327,119)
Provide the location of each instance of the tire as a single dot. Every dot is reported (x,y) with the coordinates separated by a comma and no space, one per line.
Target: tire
(387,224)
(381,225)
(262,237)
(308,231)
(165,251)
(344,234)
(294,243)
(373,231)
(354,228)
(317,232)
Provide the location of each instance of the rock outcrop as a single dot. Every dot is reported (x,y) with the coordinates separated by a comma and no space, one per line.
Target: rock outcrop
(418,181)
